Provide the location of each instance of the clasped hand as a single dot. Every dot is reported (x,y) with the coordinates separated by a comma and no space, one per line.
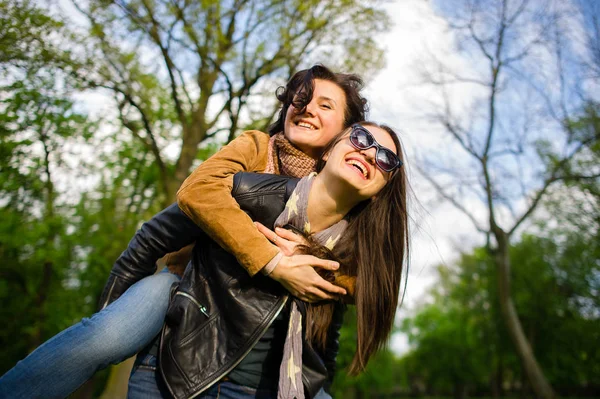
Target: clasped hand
(296,272)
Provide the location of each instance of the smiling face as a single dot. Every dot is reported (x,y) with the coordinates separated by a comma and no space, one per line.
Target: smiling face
(323,118)
(357,167)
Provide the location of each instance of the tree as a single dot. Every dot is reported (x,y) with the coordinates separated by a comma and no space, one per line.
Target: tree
(513,133)
(36,123)
(39,126)
(25,32)
(460,345)
(457,345)
(184,73)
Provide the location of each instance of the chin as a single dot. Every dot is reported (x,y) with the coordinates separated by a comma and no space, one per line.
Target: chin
(297,139)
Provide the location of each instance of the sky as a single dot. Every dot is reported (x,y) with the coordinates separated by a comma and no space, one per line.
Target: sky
(398,99)
(438,228)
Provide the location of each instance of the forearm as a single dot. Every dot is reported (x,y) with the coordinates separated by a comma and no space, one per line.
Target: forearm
(206,198)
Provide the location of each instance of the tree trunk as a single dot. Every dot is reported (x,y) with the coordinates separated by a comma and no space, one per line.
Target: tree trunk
(36,338)
(500,378)
(539,384)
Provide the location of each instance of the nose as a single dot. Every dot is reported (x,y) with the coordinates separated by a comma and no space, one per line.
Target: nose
(311,108)
(370,154)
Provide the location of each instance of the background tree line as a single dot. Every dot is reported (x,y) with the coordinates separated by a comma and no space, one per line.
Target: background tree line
(179,78)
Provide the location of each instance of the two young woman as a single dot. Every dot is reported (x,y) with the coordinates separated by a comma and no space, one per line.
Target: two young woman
(224,323)
(316,104)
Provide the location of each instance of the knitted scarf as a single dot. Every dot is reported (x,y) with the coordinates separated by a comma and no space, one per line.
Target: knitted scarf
(285,159)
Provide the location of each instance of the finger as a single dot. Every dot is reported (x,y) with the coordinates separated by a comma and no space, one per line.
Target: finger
(270,234)
(329,288)
(322,295)
(318,262)
(289,235)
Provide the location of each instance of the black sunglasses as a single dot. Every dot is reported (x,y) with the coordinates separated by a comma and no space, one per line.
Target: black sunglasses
(385,158)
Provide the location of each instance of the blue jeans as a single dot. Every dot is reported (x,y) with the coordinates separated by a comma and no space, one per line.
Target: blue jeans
(62,364)
(145,382)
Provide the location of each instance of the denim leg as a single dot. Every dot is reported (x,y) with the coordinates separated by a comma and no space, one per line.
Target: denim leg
(63,363)
(231,390)
(145,381)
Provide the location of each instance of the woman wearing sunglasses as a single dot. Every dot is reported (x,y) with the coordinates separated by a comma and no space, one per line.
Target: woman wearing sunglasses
(232,335)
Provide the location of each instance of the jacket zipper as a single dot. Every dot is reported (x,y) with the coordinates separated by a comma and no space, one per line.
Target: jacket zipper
(105,304)
(285,299)
(194,301)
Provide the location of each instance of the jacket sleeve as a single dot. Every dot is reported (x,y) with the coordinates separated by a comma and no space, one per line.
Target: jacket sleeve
(168,231)
(205,196)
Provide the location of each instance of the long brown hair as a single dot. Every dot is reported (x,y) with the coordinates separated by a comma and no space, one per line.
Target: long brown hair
(373,249)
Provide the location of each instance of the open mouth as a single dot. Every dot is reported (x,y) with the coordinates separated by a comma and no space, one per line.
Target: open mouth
(306,125)
(359,166)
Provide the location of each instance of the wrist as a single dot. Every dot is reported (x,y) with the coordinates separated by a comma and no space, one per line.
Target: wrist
(278,273)
(268,269)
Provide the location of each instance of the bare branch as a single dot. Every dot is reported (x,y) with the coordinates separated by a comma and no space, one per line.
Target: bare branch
(451,199)
(154,33)
(480,43)
(552,178)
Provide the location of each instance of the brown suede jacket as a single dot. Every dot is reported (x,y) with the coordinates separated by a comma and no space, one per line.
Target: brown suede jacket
(205,197)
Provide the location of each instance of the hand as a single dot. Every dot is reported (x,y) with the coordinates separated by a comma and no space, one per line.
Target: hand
(285,240)
(296,272)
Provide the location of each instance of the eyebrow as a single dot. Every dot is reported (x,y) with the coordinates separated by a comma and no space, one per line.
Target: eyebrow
(327,98)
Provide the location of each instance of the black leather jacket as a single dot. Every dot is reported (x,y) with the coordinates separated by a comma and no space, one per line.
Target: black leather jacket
(218,312)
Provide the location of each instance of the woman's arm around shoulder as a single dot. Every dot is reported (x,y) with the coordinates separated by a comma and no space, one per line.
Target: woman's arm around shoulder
(205,196)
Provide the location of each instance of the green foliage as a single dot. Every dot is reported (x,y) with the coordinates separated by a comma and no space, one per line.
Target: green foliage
(25,33)
(459,341)
(36,246)
(38,122)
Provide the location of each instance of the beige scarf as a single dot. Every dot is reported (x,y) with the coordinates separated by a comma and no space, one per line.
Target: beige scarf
(296,214)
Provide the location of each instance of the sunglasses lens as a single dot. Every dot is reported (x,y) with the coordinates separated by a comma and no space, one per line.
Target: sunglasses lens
(387,160)
(361,139)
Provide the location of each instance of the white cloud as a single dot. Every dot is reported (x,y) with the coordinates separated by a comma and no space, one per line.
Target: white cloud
(397,99)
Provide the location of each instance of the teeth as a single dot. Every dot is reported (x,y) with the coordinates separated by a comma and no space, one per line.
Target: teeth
(306,125)
(360,166)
